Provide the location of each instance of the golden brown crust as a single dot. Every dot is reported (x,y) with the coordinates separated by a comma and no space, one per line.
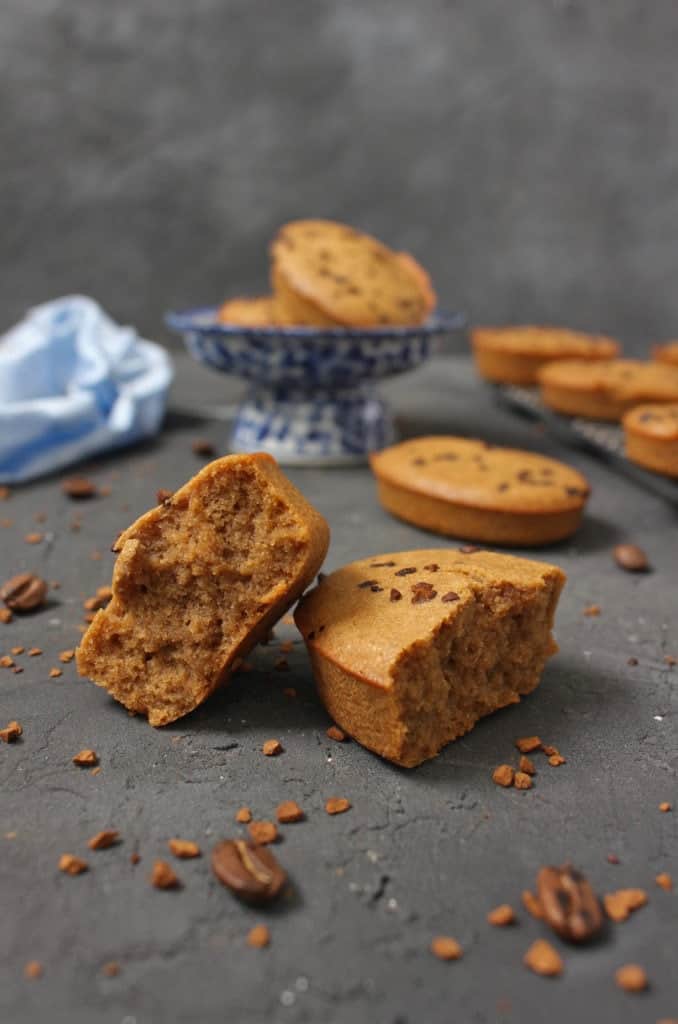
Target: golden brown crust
(348,276)
(606,390)
(467,488)
(258,311)
(514,355)
(199,580)
(651,434)
(410,649)
(666,353)
(294,310)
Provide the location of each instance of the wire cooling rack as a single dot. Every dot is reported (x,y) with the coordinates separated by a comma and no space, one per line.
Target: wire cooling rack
(604,439)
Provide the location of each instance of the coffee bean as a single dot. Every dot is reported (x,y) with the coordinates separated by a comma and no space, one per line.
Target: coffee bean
(569,904)
(250,871)
(79,487)
(24,593)
(631,557)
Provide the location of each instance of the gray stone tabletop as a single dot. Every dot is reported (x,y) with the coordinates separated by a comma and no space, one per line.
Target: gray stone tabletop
(420,853)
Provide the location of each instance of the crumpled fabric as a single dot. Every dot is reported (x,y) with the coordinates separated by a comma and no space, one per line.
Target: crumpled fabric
(74,383)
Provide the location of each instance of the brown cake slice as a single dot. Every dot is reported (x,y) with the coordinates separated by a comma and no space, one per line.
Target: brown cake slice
(410,649)
(199,580)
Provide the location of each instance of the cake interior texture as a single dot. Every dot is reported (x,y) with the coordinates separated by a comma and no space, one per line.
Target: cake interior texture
(198,581)
(429,681)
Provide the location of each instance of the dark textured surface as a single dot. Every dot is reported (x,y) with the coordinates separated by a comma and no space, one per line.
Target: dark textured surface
(420,852)
(525,151)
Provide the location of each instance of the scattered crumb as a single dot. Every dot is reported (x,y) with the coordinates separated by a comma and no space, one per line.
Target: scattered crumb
(34,538)
(521,780)
(337,805)
(86,758)
(72,865)
(665,807)
(532,904)
(111,969)
(163,876)
(17,671)
(592,610)
(526,765)
(17,650)
(631,977)
(185,849)
(263,832)
(259,936)
(337,734)
(446,948)
(66,656)
(543,959)
(96,770)
(11,732)
(503,775)
(664,881)
(528,744)
(501,916)
(289,811)
(620,904)
(6,661)
(243,815)
(5,615)
(55,673)
(134,857)
(272,748)
(102,840)
(555,760)
(670,660)
(33,970)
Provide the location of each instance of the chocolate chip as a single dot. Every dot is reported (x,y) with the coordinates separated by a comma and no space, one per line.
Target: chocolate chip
(631,558)
(381,565)
(24,592)
(376,589)
(249,870)
(433,567)
(367,584)
(569,904)
(395,594)
(405,572)
(450,596)
(422,592)
(78,487)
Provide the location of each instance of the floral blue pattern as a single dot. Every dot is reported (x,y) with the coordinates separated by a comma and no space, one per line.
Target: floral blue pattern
(313,396)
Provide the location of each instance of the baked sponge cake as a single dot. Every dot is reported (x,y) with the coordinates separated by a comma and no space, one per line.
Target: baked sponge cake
(606,390)
(198,581)
(410,649)
(514,355)
(467,488)
(651,436)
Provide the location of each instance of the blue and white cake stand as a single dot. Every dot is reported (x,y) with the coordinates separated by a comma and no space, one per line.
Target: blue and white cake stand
(313,398)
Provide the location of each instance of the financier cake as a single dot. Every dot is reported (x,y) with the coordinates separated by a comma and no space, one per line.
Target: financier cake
(471,489)
(348,277)
(513,355)
(606,390)
(198,581)
(651,434)
(410,649)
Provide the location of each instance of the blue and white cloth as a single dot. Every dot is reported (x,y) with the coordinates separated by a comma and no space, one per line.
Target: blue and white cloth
(74,383)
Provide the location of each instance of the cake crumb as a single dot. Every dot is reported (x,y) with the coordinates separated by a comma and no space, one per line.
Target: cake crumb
(446,948)
(543,959)
(86,758)
(503,775)
(263,832)
(33,970)
(259,937)
(72,865)
(11,733)
(111,969)
(526,765)
(532,904)
(528,744)
(555,760)
(54,673)
(272,748)
(163,876)
(337,734)
(501,916)
(66,656)
(337,805)
(664,881)
(620,904)
(631,978)
(592,610)
(243,815)
(184,849)
(104,839)
(521,780)
(665,807)
(288,812)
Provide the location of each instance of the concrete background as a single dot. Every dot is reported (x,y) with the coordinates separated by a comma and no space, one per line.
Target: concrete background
(525,151)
